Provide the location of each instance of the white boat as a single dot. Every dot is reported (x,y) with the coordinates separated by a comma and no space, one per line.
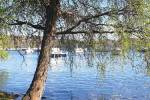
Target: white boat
(29,50)
(79,50)
(118,49)
(56,52)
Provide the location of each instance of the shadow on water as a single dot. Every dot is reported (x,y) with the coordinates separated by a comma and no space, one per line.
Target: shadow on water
(3,78)
(3,81)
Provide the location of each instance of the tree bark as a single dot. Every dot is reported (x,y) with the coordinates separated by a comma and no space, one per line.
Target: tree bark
(36,88)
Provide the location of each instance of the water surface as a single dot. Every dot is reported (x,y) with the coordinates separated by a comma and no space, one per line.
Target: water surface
(101,76)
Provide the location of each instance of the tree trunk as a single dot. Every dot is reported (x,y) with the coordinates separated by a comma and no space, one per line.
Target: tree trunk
(36,88)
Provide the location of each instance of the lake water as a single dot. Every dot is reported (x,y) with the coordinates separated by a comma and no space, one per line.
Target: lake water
(99,76)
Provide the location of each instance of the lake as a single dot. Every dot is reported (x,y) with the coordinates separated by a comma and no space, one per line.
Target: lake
(98,76)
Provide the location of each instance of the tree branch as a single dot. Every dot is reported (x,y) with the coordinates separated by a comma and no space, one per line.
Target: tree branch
(17,22)
(87,18)
(94,32)
(84,32)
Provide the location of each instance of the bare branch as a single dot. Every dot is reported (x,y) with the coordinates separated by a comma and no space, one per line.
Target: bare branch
(17,22)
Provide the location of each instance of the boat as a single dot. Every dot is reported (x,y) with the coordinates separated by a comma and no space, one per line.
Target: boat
(79,50)
(28,50)
(116,51)
(56,52)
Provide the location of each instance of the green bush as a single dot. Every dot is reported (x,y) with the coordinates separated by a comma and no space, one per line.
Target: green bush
(3,54)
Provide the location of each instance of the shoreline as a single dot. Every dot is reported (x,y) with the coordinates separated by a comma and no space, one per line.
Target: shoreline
(8,96)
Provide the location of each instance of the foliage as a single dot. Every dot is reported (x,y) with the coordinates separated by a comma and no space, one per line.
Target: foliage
(74,14)
(3,54)
(90,18)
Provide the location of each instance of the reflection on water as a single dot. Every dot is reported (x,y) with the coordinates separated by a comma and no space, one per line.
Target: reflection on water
(99,76)
(3,78)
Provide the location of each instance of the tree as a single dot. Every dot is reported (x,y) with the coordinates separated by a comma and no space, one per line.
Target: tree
(36,88)
(3,38)
(89,18)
